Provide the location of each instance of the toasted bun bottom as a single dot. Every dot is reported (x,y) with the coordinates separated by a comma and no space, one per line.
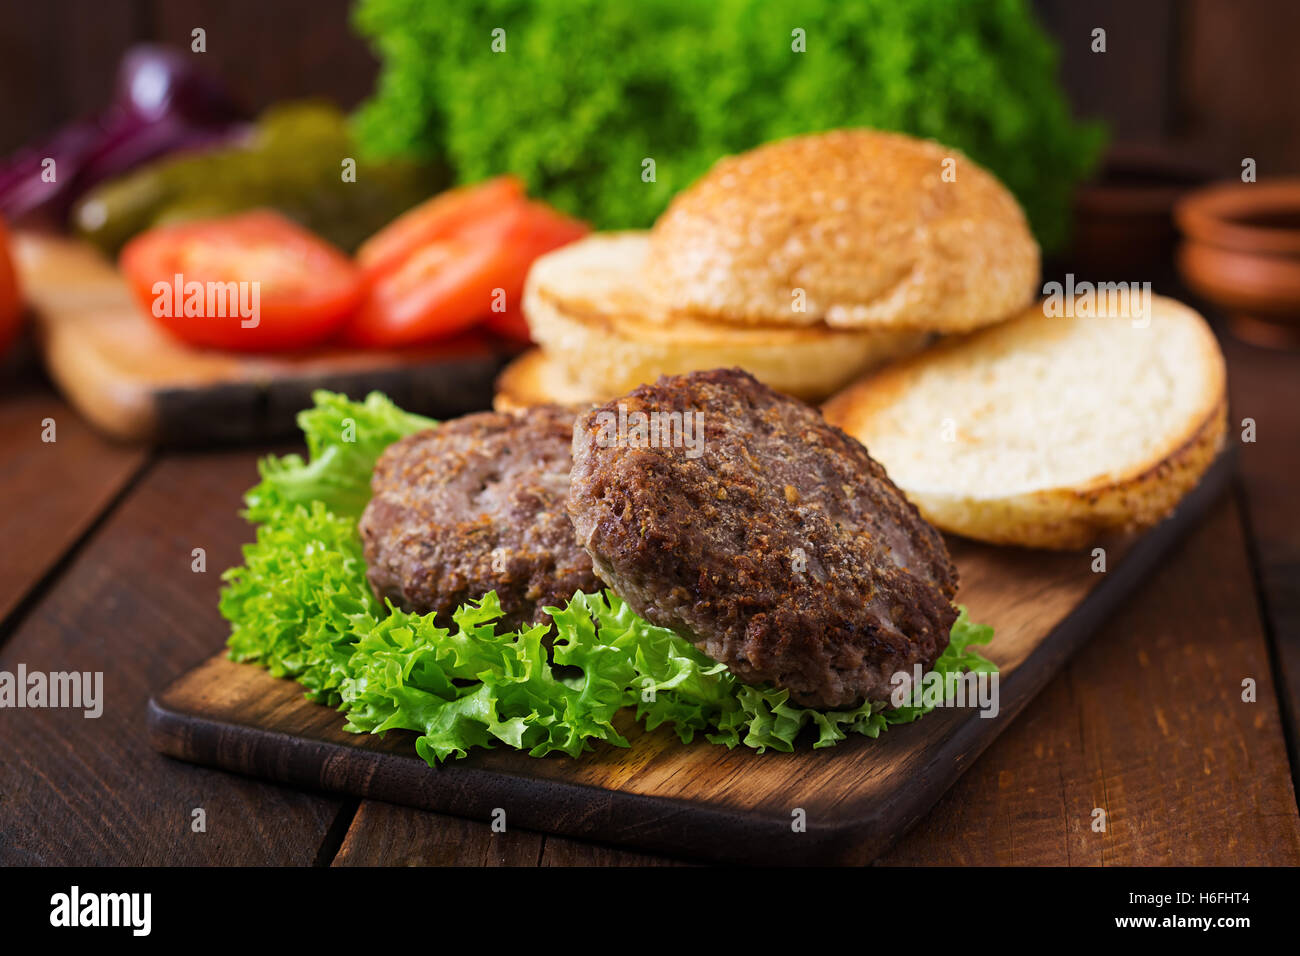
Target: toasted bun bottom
(1065,518)
(533,379)
(1049,432)
(586,306)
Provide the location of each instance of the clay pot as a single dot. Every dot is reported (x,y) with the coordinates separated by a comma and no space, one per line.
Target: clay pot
(1242,252)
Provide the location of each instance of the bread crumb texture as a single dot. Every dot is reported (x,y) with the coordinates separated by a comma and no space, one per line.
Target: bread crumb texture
(852,228)
(1049,431)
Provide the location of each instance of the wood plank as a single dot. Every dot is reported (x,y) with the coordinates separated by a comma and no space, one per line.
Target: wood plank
(1265,387)
(1146,723)
(92,791)
(670,798)
(136,383)
(1130,85)
(561,851)
(270,52)
(85,39)
(54,491)
(384,834)
(1239,89)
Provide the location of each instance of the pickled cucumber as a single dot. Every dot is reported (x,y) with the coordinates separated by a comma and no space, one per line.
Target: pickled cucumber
(292,161)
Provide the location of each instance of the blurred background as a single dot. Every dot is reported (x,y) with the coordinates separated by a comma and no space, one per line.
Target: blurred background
(1205,76)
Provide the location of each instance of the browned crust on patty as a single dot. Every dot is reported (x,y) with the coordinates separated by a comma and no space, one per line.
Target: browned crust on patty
(475,505)
(783,550)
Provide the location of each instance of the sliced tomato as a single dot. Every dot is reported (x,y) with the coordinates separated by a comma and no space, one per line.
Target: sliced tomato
(11,304)
(250,282)
(452,283)
(441,217)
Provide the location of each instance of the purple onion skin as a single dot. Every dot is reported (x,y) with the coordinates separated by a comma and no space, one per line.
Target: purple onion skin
(162,104)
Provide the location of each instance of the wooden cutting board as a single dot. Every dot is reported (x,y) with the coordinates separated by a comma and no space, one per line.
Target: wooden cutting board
(133,381)
(697,800)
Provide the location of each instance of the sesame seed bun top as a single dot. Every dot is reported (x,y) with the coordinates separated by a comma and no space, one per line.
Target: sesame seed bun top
(852,228)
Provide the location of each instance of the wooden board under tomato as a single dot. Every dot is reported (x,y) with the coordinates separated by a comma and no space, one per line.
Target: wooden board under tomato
(133,381)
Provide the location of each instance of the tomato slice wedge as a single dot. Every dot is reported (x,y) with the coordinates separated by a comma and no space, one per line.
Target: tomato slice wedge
(439,218)
(454,282)
(250,282)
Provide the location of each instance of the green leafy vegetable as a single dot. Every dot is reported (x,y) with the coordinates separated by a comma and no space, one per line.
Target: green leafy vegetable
(344,439)
(300,607)
(585,91)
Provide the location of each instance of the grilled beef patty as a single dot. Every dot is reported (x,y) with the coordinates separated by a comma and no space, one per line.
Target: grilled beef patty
(474,505)
(779,546)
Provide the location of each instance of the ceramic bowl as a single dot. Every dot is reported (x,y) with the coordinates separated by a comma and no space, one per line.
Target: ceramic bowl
(1241,251)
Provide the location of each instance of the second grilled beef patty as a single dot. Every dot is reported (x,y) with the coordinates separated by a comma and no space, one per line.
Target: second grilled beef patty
(475,505)
(782,549)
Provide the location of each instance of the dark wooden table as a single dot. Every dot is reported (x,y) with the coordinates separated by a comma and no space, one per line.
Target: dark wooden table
(96,573)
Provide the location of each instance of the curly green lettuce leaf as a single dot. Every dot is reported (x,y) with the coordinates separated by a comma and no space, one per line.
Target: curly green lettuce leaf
(470,686)
(344,439)
(676,684)
(957,658)
(299,601)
